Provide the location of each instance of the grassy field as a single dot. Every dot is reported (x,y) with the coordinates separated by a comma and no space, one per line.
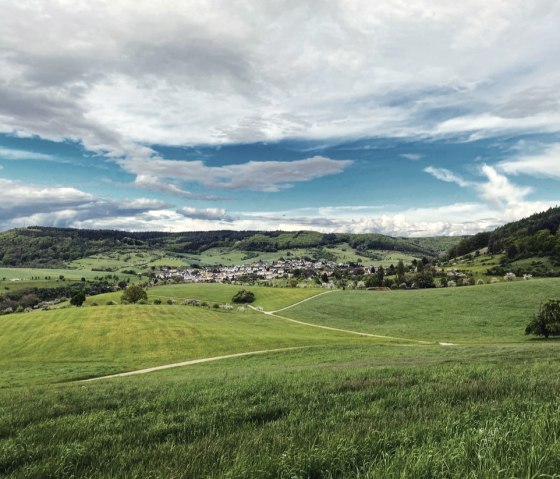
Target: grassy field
(328,412)
(268,298)
(344,406)
(485,313)
(12,279)
(74,343)
(128,259)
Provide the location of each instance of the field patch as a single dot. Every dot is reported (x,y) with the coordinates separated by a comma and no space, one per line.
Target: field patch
(76,343)
(484,313)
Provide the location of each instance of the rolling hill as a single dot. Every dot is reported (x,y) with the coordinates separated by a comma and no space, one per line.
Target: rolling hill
(56,247)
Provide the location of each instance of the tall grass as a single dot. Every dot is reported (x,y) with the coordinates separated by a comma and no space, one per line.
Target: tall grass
(297,415)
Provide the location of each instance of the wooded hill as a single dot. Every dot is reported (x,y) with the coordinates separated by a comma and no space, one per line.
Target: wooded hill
(53,247)
(537,235)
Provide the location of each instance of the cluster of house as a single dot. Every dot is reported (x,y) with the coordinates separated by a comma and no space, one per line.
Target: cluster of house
(262,270)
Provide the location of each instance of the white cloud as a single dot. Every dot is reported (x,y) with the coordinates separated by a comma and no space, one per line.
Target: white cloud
(545,164)
(116,75)
(24,204)
(212,214)
(499,192)
(412,156)
(12,154)
(446,175)
(166,186)
(454,219)
(269,176)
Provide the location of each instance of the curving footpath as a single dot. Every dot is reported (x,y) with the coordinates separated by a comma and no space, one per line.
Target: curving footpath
(253,353)
(189,363)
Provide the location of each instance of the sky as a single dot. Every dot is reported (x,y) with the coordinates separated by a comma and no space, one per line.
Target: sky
(408,118)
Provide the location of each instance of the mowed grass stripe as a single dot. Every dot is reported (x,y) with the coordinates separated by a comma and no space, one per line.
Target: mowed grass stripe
(83,342)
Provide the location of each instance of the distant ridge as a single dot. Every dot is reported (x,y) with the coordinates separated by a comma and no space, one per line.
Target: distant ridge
(536,235)
(41,246)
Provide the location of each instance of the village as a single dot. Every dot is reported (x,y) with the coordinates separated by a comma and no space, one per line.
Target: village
(263,270)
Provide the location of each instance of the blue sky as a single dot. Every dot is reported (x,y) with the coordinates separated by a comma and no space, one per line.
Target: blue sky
(430,118)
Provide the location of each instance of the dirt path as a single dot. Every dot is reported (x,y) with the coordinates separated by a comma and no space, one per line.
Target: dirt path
(302,301)
(349,331)
(252,353)
(189,363)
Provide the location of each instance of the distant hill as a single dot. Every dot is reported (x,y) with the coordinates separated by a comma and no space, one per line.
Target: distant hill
(535,236)
(54,247)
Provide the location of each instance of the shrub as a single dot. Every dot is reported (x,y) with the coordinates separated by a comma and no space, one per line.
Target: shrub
(157,301)
(244,296)
(171,301)
(133,294)
(78,299)
(480,281)
(494,280)
(547,321)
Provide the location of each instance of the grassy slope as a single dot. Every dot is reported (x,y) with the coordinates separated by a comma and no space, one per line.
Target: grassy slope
(485,313)
(268,298)
(350,407)
(322,413)
(19,278)
(72,343)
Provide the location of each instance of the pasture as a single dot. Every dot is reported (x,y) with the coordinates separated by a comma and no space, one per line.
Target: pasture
(342,405)
(267,298)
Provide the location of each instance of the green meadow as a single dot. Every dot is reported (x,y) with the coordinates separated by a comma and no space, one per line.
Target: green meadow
(490,313)
(267,298)
(12,279)
(340,405)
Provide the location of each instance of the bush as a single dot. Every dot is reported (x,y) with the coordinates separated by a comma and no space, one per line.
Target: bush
(244,296)
(547,321)
(78,299)
(157,301)
(133,294)
(171,301)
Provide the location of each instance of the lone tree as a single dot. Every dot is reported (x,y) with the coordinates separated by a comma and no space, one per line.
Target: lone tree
(244,296)
(78,299)
(134,293)
(547,321)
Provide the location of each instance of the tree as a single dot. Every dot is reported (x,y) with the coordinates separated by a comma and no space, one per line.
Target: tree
(134,293)
(424,279)
(78,299)
(400,271)
(547,321)
(244,296)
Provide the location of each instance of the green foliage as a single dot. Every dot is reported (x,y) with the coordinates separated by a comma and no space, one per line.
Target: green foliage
(424,279)
(78,298)
(134,293)
(536,235)
(547,321)
(243,296)
(55,247)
